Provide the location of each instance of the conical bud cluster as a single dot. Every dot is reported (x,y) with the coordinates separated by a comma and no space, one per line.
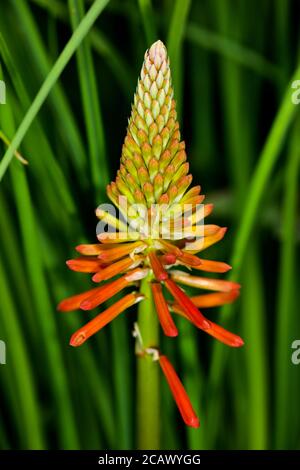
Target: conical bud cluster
(153,162)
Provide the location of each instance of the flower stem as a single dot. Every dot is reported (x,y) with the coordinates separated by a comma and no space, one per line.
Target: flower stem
(148,398)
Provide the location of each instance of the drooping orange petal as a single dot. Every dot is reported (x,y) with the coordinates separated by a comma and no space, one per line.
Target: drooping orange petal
(210,229)
(118,252)
(212,300)
(215,330)
(116,268)
(187,305)
(189,259)
(194,191)
(84,265)
(162,309)
(73,303)
(200,213)
(104,318)
(225,336)
(103,293)
(213,266)
(205,242)
(118,237)
(158,270)
(216,299)
(204,282)
(170,248)
(179,394)
(194,200)
(89,250)
(208,208)
(200,230)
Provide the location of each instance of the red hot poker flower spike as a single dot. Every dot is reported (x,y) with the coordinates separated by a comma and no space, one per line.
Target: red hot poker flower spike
(154,176)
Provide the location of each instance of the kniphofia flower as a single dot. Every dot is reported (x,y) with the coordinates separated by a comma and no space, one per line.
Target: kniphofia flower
(153,189)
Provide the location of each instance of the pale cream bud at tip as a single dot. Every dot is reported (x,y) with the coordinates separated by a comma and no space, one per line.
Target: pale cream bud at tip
(158,53)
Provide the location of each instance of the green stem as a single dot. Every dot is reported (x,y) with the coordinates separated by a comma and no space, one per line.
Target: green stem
(148,418)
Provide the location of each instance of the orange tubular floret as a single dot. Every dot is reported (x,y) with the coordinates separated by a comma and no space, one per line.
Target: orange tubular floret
(170,248)
(103,319)
(215,330)
(84,265)
(187,305)
(204,283)
(194,200)
(211,300)
(225,336)
(208,208)
(103,293)
(112,254)
(118,237)
(158,270)
(215,300)
(73,303)
(179,394)
(190,260)
(165,318)
(205,242)
(210,229)
(213,266)
(194,191)
(89,250)
(116,268)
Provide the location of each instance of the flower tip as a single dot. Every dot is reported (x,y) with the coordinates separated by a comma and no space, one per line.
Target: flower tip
(95,277)
(71,264)
(235,286)
(77,339)
(179,394)
(158,49)
(193,422)
(172,332)
(62,306)
(233,294)
(239,342)
(86,305)
(158,44)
